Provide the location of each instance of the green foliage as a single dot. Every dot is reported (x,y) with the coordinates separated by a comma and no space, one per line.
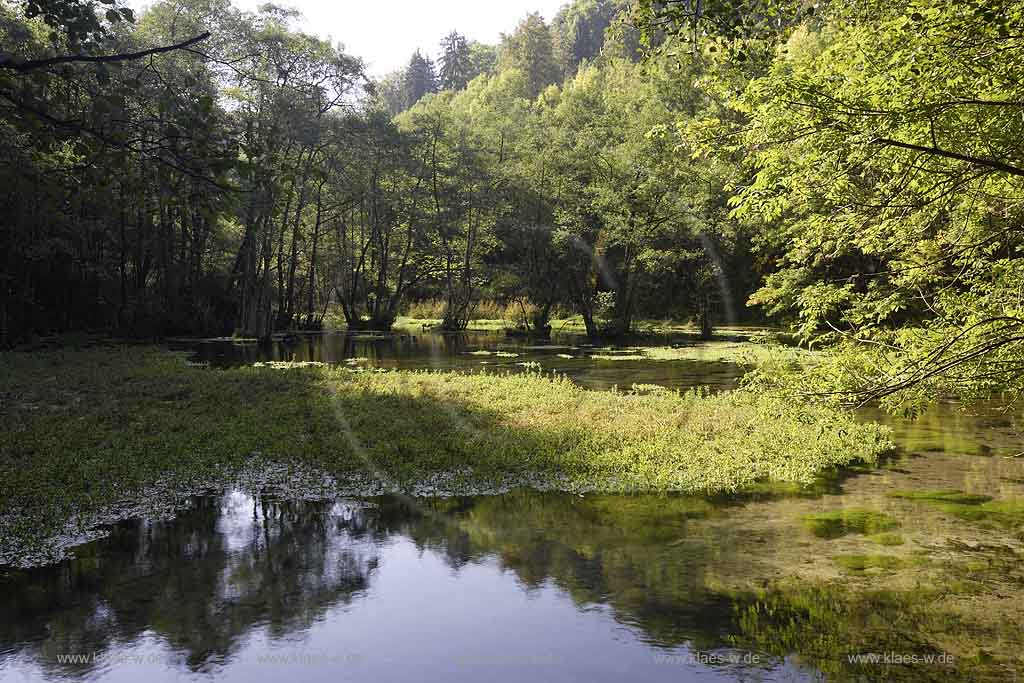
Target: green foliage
(885,144)
(697,20)
(81,25)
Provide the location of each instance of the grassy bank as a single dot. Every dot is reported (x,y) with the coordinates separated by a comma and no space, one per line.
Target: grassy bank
(85,429)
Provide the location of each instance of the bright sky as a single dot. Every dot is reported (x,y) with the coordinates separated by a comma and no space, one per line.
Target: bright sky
(386,32)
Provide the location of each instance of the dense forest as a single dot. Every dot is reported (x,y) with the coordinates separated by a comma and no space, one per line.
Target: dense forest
(853,169)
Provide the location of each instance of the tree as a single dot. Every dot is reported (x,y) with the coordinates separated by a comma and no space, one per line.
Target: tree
(389,93)
(462,203)
(134,155)
(579,30)
(894,195)
(482,58)
(420,79)
(379,222)
(456,62)
(531,50)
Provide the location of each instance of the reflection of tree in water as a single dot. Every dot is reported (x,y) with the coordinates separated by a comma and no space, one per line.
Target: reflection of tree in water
(232,565)
(677,584)
(201,581)
(624,551)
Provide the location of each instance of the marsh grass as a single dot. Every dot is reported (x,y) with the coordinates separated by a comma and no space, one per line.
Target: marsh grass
(84,429)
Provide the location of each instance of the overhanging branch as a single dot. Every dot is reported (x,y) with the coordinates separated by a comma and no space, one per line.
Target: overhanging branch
(936,151)
(32,65)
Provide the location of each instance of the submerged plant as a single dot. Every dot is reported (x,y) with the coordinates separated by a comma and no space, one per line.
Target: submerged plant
(942,496)
(860,563)
(842,522)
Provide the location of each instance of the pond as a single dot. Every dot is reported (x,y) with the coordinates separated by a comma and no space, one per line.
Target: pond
(887,573)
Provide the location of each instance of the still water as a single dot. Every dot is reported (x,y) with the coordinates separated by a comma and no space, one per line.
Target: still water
(570,354)
(243,586)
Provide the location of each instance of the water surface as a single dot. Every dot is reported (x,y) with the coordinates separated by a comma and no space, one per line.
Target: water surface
(243,585)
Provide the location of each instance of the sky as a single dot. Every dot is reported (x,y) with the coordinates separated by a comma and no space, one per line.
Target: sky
(386,32)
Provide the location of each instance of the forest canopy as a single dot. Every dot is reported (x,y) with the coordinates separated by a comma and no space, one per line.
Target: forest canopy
(854,170)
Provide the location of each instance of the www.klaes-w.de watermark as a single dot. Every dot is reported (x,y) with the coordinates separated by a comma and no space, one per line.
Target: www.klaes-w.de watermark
(269,658)
(710,659)
(902,658)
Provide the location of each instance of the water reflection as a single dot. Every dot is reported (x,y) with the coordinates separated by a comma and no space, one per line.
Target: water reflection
(506,587)
(202,581)
(526,585)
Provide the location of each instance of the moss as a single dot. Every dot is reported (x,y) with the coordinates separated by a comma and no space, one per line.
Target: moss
(842,522)
(886,538)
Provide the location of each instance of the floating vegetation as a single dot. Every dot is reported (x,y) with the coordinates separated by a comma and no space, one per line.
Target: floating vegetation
(289,364)
(549,347)
(740,353)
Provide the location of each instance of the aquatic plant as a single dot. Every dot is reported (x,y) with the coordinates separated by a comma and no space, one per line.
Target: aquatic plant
(971,507)
(92,428)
